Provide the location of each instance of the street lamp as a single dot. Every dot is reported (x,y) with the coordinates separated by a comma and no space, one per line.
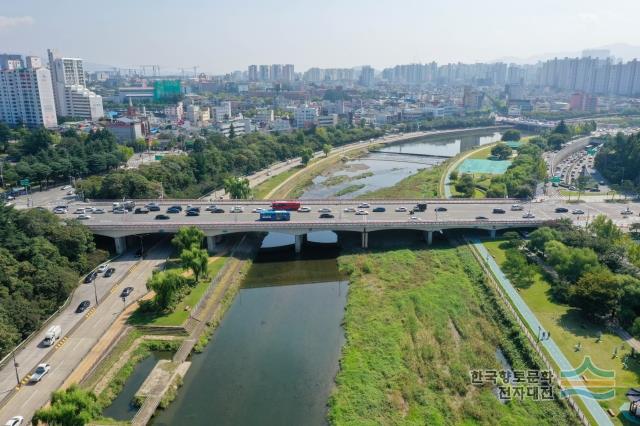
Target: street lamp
(95,290)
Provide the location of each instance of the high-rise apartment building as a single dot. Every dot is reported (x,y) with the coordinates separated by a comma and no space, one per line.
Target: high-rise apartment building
(26,95)
(263,73)
(10,61)
(72,97)
(366,76)
(288,73)
(252,73)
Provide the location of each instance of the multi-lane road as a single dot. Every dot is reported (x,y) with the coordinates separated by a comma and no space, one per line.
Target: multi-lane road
(82,331)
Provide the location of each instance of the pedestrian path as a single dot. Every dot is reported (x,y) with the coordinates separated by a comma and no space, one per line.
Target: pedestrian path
(596,411)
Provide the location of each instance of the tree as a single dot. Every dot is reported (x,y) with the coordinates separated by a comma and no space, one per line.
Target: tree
(519,271)
(511,135)
(70,407)
(195,259)
(453,175)
(496,190)
(326,148)
(306,156)
(570,262)
(466,185)
(502,151)
(187,237)
(597,293)
(237,188)
(232,132)
(581,183)
(540,237)
(562,128)
(165,285)
(38,140)
(604,229)
(556,140)
(539,142)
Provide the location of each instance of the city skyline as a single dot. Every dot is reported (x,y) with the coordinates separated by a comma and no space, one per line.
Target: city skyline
(218,39)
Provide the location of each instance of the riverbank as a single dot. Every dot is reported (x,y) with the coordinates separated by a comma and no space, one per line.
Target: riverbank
(417,322)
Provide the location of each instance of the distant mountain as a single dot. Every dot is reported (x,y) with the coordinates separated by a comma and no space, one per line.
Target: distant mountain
(623,51)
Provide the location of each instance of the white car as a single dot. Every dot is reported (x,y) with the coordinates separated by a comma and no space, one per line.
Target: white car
(257,210)
(84,217)
(98,211)
(528,216)
(59,211)
(349,210)
(401,209)
(415,218)
(211,208)
(72,192)
(15,421)
(102,268)
(577,211)
(120,211)
(79,211)
(304,210)
(364,206)
(361,212)
(41,370)
(626,212)
(516,207)
(236,209)
(66,187)
(88,209)
(324,210)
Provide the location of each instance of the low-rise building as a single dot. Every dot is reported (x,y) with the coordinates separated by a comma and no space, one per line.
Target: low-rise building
(305,116)
(329,120)
(126,129)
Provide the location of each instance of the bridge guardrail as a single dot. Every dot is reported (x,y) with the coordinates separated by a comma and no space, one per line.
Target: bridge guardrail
(340,201)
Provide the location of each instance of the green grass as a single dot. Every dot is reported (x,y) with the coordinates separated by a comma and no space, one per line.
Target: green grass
(568,327)
(349,189)
(261,190)
(567,193)
(180,313)
(417,321)
(423,184)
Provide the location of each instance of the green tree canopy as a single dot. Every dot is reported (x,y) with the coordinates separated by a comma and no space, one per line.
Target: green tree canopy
(597,293)
(511,135)
(237,188)
(502,151)
(195,259)
(187,237)
(70,407)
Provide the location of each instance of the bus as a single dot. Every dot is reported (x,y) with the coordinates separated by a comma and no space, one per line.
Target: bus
(275,215)
(285,205)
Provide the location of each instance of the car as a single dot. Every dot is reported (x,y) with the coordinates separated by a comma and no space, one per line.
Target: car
(363,206)
(15,421)
(40,372)
(79,211)
(304,210)
(83,306)
(414,218)
(481,218)
(59,211)
(102,268)
(626,212)
(324,210)
(516,207)
(379,210)
(237,209)
(326,216)
(193,213)
(217,210)
(211,208)
(260,210)
(71,192)
(90,277)
(577,211)
(126,291)
(162,217)
(98,211)
(349,210)
(84,217)
(528,215)
(361,212)
(66,187)
(561,210)
(194,209)
(109,272)
(120,211)
(498,211)
(152,204)
(141,210)
(401,209)
(176,207)
(173,210)
(441,209)
(154,208)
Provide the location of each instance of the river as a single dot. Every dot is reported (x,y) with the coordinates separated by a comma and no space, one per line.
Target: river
(274,356)
(392,163)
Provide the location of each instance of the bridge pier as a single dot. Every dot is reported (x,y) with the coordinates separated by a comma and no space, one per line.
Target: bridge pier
(428,237)
(121,244)
(365,240)
(299,241)
(493,234)
(211,244)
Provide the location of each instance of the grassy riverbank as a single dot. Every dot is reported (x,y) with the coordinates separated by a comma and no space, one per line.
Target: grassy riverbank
(424,184)
(417,321)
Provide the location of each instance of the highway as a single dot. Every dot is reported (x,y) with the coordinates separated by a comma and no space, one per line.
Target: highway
(89,326)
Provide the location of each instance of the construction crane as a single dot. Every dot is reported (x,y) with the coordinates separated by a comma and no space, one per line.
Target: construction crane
(155,69)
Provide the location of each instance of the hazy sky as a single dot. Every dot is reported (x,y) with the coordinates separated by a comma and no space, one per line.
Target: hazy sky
(220,36)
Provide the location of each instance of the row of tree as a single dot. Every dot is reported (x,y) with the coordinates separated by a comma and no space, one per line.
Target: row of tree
(41,260)
(595,269)
(618,160)
(215,158)
(44,156)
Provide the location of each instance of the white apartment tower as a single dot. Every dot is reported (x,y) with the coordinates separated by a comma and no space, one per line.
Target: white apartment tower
(26,95)
(72,97)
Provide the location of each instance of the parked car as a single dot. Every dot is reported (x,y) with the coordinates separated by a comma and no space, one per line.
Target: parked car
(41,371)
(162,217)
(326,216)
(561,210)
(126,291)
(498,211)
(109,272)
(379,210)
(83,306)
(102,268)
(90,277)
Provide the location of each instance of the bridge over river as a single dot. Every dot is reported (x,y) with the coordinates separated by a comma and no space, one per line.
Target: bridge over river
(459,214)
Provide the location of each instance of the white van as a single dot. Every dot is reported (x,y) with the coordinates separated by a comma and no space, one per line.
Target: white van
(53,334)
(517,207)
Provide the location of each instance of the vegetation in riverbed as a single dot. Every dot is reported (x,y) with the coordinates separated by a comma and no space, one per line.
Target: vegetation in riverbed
(416,323)
(261,191)
(423,184)
(349,189)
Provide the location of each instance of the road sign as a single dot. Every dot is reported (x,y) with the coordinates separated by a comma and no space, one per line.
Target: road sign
(555,179)
(25,182)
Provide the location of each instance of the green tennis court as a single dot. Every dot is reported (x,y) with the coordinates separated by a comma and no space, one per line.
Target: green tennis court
(477,166)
